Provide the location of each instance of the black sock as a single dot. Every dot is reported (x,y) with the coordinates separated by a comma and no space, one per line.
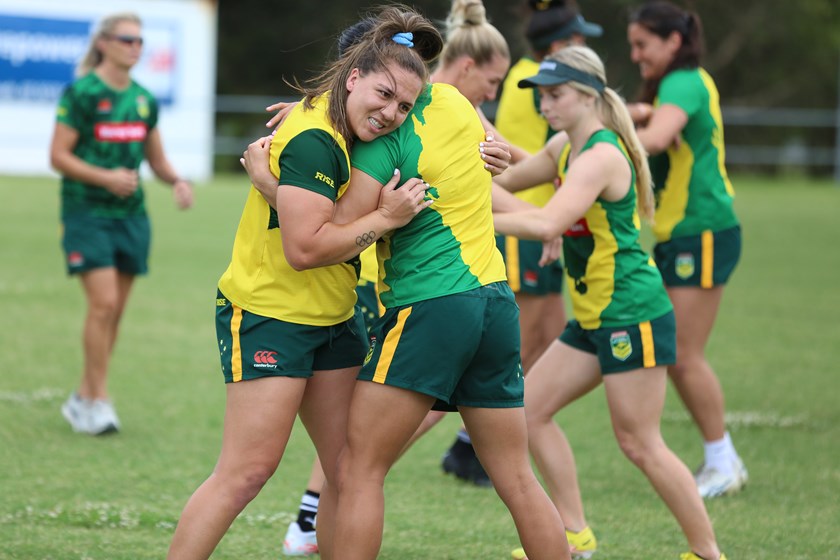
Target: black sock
(308,510)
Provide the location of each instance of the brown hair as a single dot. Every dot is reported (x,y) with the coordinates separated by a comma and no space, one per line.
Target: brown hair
(372,53)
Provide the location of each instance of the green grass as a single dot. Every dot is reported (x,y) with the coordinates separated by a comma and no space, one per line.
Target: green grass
(66,496)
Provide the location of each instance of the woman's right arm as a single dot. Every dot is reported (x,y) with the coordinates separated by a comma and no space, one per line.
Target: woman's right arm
(536,169)
(119,181)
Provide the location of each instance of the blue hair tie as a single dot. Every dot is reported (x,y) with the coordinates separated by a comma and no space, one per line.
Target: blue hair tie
(404,39)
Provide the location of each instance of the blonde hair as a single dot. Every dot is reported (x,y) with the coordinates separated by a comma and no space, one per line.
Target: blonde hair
(93,56)
(613,113)
(372,53)
(469,33)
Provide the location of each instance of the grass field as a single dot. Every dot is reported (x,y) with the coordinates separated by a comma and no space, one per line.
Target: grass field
(66,496)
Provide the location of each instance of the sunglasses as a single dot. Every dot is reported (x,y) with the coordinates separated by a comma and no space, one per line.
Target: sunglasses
(127,39)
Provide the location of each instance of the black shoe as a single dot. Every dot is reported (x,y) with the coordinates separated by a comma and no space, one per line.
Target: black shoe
(461,461)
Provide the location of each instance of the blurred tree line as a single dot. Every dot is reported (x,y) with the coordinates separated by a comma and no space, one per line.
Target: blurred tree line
(762,53)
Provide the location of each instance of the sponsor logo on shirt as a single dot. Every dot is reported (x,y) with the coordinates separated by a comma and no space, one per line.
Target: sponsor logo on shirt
(579,229)
(324,179)
(104,105)
(142,106)
(120,132)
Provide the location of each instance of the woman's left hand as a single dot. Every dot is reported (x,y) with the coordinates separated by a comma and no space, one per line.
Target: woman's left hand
(496,155)
(183,192)
(401,204)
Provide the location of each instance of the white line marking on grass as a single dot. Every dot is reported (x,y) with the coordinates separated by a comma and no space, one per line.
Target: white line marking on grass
(747,419)
(29,397)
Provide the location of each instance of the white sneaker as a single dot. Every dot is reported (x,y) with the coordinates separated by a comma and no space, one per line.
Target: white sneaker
(712,483)
(90,417)
(103,418)
(75,411)
(298,542)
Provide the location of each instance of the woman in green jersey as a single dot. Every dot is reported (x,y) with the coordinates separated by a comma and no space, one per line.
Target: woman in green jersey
(290,337)
(106,126)
(698,236)
(623,332)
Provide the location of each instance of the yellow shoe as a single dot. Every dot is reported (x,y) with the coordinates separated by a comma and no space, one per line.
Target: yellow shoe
(692,556)
(583,543)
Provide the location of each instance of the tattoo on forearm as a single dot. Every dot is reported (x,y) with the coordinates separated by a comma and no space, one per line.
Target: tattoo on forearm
(366,239)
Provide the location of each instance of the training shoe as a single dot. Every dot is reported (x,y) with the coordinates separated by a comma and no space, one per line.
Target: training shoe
(90,417)
(692,556)
(581,544)
(299,542)
(461,461)
(712,483)
(103,418)
(76,411)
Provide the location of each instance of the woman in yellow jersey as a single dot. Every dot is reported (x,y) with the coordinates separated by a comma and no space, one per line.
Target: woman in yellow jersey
(623,333)
(290,339)
(449,331)
(698,236)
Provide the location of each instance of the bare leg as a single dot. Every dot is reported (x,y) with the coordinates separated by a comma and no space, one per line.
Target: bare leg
(695,310)
(541,320)
(635,399)
(500,437)
(382,420)
(562,375)
(106,292)
(323,411)
(429,422)
(259,416)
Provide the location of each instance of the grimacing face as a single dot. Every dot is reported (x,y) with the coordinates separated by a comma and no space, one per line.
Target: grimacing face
(379,102)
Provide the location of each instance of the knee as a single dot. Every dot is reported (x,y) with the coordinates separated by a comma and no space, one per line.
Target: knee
(104,308)
(248,482)
(634,448)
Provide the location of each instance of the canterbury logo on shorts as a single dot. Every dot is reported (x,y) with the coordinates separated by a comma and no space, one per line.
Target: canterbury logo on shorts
(265,359)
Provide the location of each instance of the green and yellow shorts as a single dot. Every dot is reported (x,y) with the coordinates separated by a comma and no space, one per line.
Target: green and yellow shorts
(252,346)
(704,260)
(462,349)
(644,345)
(525,275)
(368,302)
(91,242)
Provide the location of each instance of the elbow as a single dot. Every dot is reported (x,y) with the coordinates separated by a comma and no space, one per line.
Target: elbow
(301,259)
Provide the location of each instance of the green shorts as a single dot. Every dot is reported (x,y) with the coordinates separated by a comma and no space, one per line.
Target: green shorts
(252,346)
(704,260)
(91,242)
(644,345)
(368,302)
(462,349)
(525,275)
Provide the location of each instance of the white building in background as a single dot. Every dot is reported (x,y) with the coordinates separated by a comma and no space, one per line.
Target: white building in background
(41,42)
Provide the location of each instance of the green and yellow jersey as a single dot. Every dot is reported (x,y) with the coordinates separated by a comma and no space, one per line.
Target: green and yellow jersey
(449,247)
(612,281)
(693,190)
(307,153)
(112,126)
(518,119)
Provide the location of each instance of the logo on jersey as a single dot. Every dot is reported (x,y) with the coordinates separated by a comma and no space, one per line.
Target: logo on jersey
(684,265)
(104,105)
(621,345)
(265,359)
(120,132)
(579,229)
(324,179)
(142,106)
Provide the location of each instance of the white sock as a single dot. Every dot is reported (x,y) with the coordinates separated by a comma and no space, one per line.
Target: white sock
(720,454)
